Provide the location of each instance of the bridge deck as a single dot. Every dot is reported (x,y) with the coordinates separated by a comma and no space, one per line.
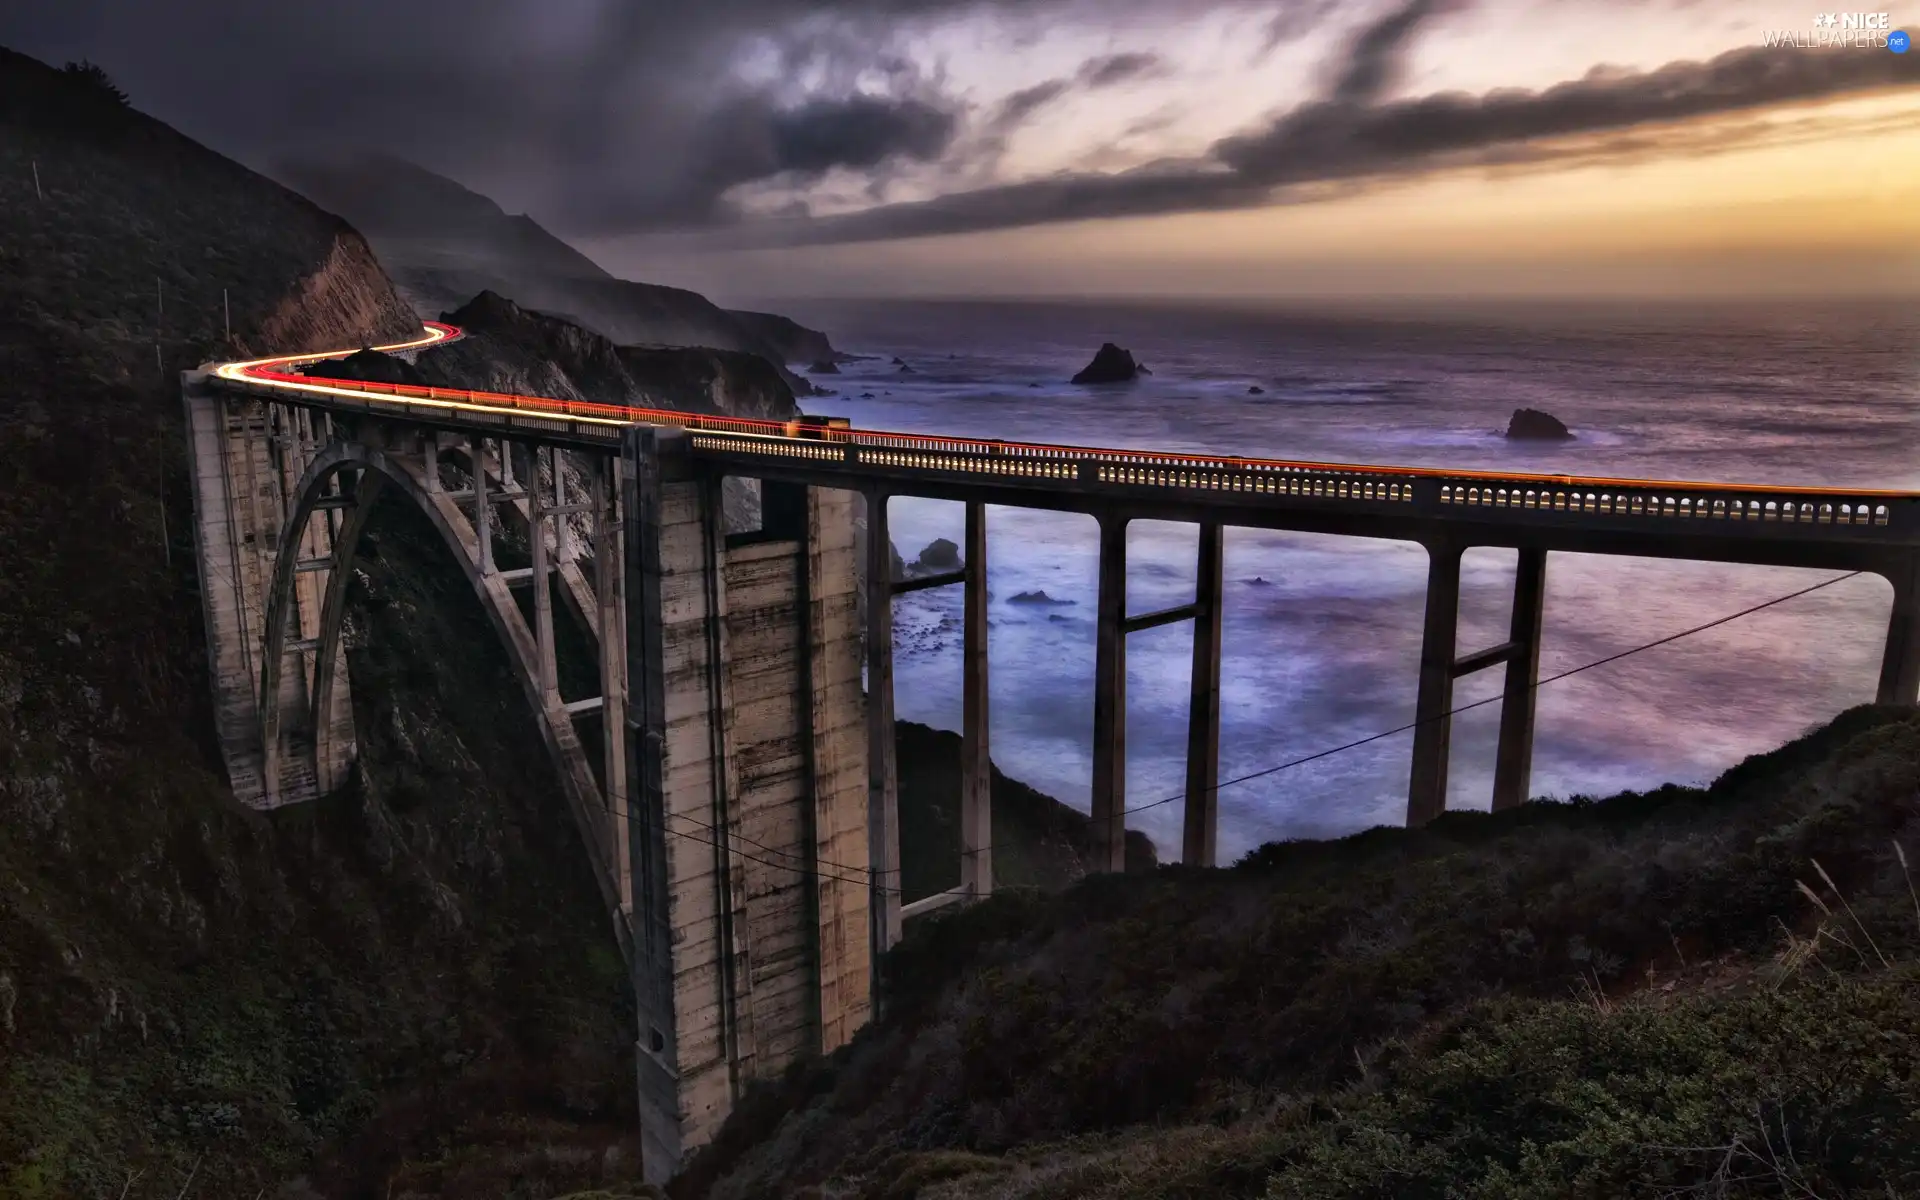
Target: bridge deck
(1757,523)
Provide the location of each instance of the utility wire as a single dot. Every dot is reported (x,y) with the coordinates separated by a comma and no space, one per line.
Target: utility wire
(863,875)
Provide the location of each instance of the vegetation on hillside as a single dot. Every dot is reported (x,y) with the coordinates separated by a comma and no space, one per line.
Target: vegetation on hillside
(195,998)
(1682,992)
(1038,842)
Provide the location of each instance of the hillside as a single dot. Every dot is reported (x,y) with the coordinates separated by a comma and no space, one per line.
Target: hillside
(792,341)
(1038,841)
(191,991)
(1597,999)
(444,244)
(512,349)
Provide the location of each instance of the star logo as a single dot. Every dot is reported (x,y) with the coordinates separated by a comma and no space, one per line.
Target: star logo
(1821,20)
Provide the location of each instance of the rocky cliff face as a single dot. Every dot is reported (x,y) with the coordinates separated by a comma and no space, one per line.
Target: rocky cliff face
(343,300)
(792,341)
(511,348)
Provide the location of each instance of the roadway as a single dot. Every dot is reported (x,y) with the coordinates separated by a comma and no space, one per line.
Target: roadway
(1845,528)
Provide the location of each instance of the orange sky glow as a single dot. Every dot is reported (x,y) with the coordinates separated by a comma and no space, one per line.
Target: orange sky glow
(1803,198)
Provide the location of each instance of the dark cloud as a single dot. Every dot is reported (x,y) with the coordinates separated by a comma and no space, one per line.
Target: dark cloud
(1015,109)
(1119,68)
(860,131)
(752,140)
(1334,142)
(1291,23)
(1106,71)
(616,116)
(600,115)
(1372,63)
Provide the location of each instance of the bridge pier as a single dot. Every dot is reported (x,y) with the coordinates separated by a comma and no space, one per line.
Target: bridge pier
(537,518)
(1900,662)
(976,757)
(1200,833)
(883,769)
(749,786)
(1109,835)
(1513,762)
(1439,667)
(1433,733)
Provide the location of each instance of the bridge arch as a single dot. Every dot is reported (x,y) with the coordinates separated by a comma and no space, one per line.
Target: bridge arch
(368,473)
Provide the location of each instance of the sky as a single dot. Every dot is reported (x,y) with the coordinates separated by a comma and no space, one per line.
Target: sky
(1068,147)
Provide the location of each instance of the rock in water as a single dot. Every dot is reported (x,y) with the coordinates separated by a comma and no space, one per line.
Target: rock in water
(1110,365)
(1256,390)
(940,555)
(1531,424)
(825,366)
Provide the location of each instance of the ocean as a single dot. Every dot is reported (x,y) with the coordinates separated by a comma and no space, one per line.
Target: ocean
(1322,633)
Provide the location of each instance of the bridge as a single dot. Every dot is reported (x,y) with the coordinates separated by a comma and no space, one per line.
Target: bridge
(741,818)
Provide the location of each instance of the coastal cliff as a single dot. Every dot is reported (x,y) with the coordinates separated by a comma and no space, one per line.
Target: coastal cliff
(444,244)
(509,348)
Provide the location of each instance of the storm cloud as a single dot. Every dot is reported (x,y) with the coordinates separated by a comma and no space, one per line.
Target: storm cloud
(1341,142)
(610,117)
(599,115)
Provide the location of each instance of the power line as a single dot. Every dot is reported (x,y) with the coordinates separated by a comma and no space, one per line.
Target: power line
(866,873)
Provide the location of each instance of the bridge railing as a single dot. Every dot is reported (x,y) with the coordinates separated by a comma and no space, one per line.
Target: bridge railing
(829,441)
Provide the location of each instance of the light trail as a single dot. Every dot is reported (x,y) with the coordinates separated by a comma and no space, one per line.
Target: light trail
(270,372)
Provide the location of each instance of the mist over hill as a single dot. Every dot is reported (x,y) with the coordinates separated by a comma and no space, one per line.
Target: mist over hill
(444,243)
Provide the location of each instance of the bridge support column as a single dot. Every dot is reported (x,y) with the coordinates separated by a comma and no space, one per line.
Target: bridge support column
(748,785)
(656,1053)
(1108,831)
(482,504)
(537,517)
(976,759)
(883,775)
(1900,663)
(1433,733)
(1201,822)
(1513,764)
(609,588)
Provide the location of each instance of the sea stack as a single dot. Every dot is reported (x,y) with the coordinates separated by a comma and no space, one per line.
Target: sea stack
(940,555)
(1110,365)
(1530,424)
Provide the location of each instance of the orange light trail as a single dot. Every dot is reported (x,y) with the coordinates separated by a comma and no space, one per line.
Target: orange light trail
(262,371)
